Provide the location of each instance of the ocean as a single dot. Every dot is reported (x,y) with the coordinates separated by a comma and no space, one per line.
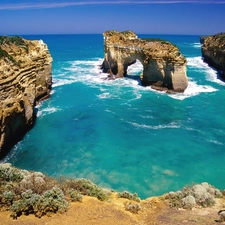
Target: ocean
(119,134)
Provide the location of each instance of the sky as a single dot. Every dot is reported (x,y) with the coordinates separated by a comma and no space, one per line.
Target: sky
(200,17)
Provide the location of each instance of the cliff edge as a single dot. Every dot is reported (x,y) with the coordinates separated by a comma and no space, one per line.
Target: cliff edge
(164,67)
(213,51)
(25,79)
(32,198)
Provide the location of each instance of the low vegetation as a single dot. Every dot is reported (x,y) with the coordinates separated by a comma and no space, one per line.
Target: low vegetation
(132,207)
(16,40)
(199,194)
(128,195)
(23,192)
(156,39)
(9,40)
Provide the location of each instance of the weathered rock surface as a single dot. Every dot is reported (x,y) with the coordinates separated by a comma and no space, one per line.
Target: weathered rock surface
(164,67)
(25,79)
(213,51)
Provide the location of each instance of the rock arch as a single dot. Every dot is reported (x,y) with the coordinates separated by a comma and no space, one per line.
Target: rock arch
(164,67)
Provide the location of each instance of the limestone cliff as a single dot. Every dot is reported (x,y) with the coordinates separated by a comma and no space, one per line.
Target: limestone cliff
(25,79)
(164,67)
(213,51)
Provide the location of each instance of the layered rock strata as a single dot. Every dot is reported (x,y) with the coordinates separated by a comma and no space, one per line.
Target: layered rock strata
(25,79)
(213,51)
(164,67)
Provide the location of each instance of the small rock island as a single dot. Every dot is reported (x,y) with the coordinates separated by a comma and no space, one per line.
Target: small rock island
(25,79)
(164,67)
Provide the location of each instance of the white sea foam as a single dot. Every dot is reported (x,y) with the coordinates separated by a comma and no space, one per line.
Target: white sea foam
(156,127)
(215,142)
(197,63)
(105,95)
(197,45)
(46,111)
(135,69)
(89,72)
(193,89)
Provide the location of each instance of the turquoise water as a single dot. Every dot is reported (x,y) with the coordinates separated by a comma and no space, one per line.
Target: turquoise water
(119,134)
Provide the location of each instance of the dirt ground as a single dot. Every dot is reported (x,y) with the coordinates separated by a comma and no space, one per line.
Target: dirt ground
(91,211)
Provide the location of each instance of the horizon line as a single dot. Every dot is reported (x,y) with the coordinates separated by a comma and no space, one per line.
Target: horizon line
(83,3)
(97,33)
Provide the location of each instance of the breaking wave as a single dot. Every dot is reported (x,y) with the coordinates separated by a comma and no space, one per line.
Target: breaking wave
(197,64)
(88,71)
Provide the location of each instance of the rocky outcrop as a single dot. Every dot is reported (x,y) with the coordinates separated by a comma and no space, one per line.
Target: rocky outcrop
(164,67)
(25,79)
(213,51)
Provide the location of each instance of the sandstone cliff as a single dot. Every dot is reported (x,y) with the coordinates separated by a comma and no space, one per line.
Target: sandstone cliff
(213,51)
(25,79)
(164,67)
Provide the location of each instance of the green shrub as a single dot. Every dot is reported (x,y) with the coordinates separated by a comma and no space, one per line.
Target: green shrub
(30,203)
(204,195)
(134,208)
(51,201)
(86,187)
(25,205)
(9,173)
(74,195)
(9,197)
(128,195)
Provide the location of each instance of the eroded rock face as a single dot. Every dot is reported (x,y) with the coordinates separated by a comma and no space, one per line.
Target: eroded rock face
(213,51)
(164,67)
(25,79)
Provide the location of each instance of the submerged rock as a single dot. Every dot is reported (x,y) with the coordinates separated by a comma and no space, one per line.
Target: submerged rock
(164,67)
(25,79)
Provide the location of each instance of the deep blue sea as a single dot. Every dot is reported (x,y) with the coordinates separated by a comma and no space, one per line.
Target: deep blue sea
(120,134)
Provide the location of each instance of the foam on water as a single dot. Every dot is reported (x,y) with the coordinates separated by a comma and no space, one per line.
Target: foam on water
(197,64)
(89,72)
(47,111)
(193,89)
(158,127)
(105,95)
(196,45)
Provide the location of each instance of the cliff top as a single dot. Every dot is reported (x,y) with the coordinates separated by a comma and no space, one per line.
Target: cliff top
(152,47)
(216,41)
(25,192)
(92,211)
(15,50)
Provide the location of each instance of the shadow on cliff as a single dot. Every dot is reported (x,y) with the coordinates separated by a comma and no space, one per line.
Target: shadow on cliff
(17,137)
(220,75)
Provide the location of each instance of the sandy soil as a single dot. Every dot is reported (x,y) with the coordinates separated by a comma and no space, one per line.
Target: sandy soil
(91,211)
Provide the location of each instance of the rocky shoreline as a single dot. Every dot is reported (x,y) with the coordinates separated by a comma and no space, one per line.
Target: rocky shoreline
(25,80)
